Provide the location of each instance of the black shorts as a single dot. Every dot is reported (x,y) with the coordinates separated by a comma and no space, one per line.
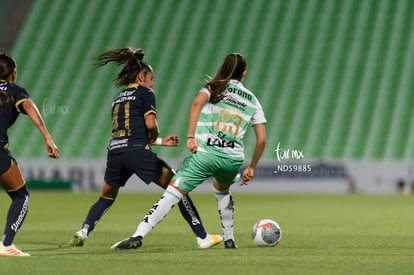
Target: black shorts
(6,160)
(141,162)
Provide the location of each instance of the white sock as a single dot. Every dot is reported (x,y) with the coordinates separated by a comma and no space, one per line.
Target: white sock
(158,211)
(226,210)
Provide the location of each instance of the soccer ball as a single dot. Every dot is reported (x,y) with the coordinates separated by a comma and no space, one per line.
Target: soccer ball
(266,232)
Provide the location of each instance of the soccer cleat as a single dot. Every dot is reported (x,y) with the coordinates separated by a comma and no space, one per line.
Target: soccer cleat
(230,244)
(209,241)
(79,238)
(11,250)
(130,243)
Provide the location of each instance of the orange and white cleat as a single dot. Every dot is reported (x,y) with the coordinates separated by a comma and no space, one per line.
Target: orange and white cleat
(11,250)
(209,241)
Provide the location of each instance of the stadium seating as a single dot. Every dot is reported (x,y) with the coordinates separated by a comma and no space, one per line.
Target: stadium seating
(334,77)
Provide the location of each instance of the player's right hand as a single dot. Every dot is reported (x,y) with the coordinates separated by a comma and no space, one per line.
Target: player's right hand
(192,145)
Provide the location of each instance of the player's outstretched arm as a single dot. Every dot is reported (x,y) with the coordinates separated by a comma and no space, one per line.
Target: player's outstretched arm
(31,110)
(170,140)
(260,133)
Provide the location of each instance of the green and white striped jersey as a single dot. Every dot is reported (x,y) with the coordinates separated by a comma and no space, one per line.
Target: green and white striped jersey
(221,126)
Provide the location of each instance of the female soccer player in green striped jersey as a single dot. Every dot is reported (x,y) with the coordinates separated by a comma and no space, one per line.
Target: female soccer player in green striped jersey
(219,116)
(134,131)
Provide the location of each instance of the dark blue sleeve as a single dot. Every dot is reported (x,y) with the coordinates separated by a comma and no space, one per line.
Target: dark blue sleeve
(19,94)
(148,101)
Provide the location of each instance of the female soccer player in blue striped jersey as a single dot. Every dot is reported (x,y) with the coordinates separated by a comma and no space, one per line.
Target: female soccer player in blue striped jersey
(134,131)
(13,101)
(219,116)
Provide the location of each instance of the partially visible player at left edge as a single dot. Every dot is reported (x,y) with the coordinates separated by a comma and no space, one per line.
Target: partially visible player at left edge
(13,101)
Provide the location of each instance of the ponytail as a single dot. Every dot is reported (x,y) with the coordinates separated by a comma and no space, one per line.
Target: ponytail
(130,58)
(232,68)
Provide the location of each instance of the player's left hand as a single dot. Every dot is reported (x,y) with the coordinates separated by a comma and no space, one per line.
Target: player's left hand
(248,174)
(52,149)
(170,140)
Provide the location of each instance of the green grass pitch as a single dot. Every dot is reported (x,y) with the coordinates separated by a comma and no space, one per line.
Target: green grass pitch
(322,234)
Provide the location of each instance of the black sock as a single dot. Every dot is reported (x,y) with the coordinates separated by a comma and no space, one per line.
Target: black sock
(16,214)
(96,212)
(190,214)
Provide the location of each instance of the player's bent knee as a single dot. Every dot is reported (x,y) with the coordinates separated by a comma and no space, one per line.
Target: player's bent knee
(22,192)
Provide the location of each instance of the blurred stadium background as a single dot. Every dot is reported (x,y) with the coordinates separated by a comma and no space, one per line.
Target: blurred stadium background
(335,79)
